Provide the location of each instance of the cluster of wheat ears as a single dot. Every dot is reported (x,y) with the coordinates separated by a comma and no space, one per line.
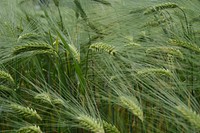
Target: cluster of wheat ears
(101,66)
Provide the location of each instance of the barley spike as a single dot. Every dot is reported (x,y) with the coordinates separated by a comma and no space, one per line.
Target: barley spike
(109,128)
(103,47)
(5,75)
(90,124)
(34,46)
(190,115)
(160,7)
(131,103)
(25,111)
(30,129)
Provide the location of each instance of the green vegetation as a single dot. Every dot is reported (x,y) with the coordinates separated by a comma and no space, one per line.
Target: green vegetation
(99,66)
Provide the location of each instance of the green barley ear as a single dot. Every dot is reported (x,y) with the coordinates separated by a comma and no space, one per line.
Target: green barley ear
(58,102)
(103,47)
(90,124)
(109,128)
(6,76)
(75,52)
(149,71)
(167,50)
(155,23)
(27,36)
(131,103)
(5,88)
(184,44)
(25,111)
(160,7)
(43,97)
(190,115)
(34,46)
(30,129)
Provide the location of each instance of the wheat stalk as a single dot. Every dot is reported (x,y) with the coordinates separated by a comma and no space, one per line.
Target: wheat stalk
(34,46)
(5,75)
(90,124)
(132,104)
(190,115)
(160,7)
(184,44)
(30,129)
(25,111)
(103,47)
(109,128)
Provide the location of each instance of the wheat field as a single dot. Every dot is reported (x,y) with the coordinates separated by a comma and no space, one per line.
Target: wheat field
(99,66)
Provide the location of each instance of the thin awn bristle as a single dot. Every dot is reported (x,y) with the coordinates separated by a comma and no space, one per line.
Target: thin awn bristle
(90,124)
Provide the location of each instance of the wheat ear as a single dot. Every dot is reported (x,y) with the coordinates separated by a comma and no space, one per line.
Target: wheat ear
(30,129)
(25,111)
(5,88)
(132,104)
(149,71)
(167,50)
(160,7)
(103,47)
(43,97)
(184,44)
(190,115)
(90,124)
(5,75)
(57,102)
(27,35)
(109,128)
(34,46)
(75,52)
